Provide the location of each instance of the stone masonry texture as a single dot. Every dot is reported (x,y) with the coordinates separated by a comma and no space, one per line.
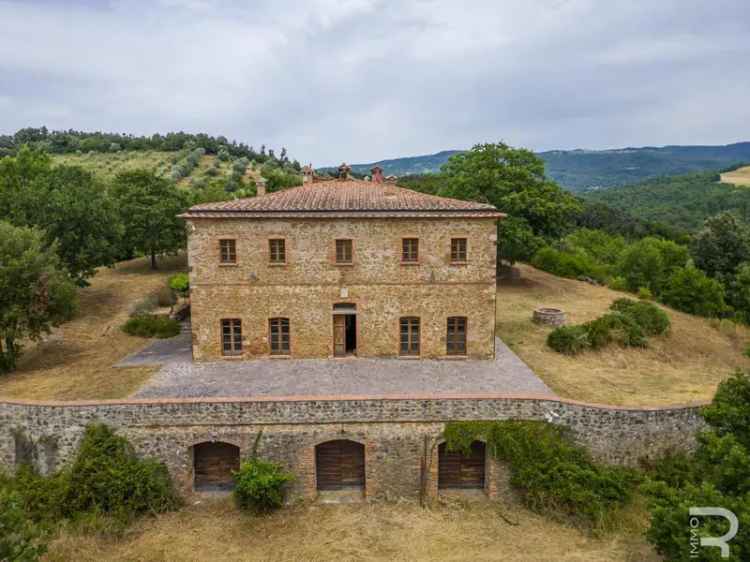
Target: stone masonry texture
(306,288)
(400,435)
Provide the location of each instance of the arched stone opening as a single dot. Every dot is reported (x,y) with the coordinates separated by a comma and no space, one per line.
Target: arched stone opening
(457,470)
(213,466)
(340,465)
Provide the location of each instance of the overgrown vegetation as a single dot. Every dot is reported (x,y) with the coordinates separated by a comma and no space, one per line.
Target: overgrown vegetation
(259,485)
(629,324)
(151,326)
(552,474)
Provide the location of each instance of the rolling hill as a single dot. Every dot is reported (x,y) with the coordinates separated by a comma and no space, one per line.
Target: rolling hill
(578,170)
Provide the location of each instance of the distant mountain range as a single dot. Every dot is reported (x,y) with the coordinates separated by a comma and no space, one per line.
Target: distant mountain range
(580,170)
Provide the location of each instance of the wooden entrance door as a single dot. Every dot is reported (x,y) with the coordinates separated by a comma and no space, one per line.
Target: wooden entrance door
(339,335)
(213,465)
(456,470)
(340,465)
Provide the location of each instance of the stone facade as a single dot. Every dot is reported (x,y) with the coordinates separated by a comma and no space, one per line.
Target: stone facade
(400,435)
(307,286)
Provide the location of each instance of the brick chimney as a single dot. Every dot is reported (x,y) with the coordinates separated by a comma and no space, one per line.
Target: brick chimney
(260,186)
(377,174)
(345,171)
(308,174)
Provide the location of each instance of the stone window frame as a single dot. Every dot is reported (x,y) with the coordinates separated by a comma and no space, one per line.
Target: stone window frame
(459,256)
(409,322)
(410,256)
(277,323)
(227,251)
(448,343)
(336,260)
(273,254)
(231,333)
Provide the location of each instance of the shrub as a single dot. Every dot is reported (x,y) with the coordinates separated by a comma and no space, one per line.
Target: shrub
(568,265)
(618,284)
(649,263)
(20,539)
(651,319)
(570,340)
(644,293)
(730,410)
(615,326)
(165,297)
(553,474)
(108,477)
(690,290)
(180,283)
(260,485)
(151,326)
(145,305)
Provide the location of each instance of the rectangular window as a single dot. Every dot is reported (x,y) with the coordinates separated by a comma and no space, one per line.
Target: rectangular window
(410,250)
(228,251)
(456,335)
(409,336)
(277,250)
(231,336)
(458,250)
(279,336)
(343,251)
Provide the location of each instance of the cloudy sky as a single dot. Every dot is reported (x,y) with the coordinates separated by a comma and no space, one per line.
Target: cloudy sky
(361,80)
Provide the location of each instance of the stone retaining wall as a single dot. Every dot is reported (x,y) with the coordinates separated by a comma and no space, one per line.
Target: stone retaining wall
(399,433)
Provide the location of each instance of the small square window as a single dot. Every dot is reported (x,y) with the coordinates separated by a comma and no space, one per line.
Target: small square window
(277,250)
(343,251)
(410,250)
(228,251)
(231,336)
(458,250)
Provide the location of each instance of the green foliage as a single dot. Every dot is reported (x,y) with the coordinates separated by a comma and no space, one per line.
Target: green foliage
(596,244)
(570,340)
(568,265)
(651,319)
(649,263)
(644,293)
(20,539)
(721,245)
(259,485)
(690,290)
(738,292)
(36,293)
(44,498)
(553,474)
(730,410)
(149,206)
(516,241)
(278,178)
(108,477)
(180,283)
(151,326)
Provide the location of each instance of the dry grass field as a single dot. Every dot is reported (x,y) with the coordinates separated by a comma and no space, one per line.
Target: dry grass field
(684,366)
(214,530)
(740,176)
(75,361)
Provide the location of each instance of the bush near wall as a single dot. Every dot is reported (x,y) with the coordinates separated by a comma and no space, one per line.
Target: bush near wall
(259,485)
(151,326)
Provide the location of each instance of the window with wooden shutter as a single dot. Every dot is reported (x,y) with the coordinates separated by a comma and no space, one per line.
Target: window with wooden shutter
(231,336)
(343,251)
(228,251)
(409,332)
(458,250)
(279,336)
(456,337)
(410,250)
(277,250)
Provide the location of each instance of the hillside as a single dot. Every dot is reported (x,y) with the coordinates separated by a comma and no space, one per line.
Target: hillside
(683,202)
(581,169)
(740,176)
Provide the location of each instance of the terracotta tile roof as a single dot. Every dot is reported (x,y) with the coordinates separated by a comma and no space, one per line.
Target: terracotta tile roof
(344,198)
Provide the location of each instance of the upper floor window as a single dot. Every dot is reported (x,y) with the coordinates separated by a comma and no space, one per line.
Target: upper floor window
(228,251)
(278,329)
(458,250)
(409,336)
(410,250)
(231,336)
(343,251)
(456,337)
(277,250)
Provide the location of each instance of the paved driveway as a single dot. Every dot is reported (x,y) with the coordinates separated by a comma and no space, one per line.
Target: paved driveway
(179,377)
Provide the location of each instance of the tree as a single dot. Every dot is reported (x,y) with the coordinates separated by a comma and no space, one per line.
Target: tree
(20,539)
(72,208)
(149,206)
(513,180)
(721,245)
(690,290)
(516,241)
(35,290)
(650,262)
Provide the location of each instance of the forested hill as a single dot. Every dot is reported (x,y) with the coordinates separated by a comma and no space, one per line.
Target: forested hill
(683,201)
(582,169)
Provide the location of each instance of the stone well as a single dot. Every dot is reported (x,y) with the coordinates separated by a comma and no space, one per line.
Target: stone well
(549,316)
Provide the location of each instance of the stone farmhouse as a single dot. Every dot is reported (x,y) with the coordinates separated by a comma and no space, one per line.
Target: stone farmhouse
(342,267)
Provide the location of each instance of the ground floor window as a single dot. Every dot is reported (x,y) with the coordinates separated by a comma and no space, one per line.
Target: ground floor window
(279,336)
(409,330)
(231,336)
(456,337)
